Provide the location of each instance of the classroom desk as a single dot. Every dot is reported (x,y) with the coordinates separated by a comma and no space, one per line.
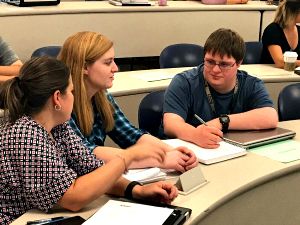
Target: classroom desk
(129,87)
(248,190)
(136,31)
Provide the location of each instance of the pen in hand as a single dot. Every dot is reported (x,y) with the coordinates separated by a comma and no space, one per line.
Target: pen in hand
(200,120)
(204,123)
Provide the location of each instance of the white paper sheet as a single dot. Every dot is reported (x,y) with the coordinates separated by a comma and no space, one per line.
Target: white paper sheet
(126,213)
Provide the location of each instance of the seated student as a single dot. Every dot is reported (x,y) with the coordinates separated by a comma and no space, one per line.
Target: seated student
(43,162)
(224,97)
(90,57)
(282,34)
(9,62)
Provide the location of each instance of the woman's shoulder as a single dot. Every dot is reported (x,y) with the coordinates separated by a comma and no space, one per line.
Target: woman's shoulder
(23,128)
(273,27)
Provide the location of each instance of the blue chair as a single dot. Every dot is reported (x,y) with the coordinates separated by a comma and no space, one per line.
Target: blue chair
(51,51)
(289,102)
(181,55)
(253,52)
(150,112)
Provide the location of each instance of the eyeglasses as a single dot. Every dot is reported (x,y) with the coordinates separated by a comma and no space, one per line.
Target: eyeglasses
(209,63)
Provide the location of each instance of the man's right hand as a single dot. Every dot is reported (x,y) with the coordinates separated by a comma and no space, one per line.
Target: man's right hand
(208,136)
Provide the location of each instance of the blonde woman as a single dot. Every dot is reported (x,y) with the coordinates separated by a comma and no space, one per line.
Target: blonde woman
(90,57)
(283,34)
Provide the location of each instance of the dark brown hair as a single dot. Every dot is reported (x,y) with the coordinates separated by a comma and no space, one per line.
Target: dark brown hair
(28,93)
(225,42)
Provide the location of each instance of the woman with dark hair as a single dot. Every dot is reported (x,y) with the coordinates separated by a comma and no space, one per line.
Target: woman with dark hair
(282,34)
(43,162)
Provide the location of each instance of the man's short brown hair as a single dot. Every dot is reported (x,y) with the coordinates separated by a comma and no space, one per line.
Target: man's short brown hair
(225,42)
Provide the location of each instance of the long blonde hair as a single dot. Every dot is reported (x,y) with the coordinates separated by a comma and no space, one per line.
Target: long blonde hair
(78,51)
(286,13)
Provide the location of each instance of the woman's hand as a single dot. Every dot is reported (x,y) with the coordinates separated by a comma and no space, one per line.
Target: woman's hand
(159,191)
(180,159)
(144,151)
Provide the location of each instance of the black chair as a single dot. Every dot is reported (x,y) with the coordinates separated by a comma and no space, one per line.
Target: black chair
(289,102)
(51,51)
(253,52)
(150,112)
(181,55)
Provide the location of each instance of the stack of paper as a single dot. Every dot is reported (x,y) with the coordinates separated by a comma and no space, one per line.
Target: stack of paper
(208,156)
(145,175)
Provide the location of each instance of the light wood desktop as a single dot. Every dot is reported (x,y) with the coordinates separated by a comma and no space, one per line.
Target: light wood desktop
(136,31)
(248,190)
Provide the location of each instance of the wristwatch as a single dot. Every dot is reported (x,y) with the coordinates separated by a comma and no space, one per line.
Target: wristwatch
(224,120)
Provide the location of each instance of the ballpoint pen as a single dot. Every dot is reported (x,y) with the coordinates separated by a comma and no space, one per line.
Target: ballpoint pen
(200,120)
(45,221)
(205,124)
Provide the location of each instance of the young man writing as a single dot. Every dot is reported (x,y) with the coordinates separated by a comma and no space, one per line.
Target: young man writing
(216,91)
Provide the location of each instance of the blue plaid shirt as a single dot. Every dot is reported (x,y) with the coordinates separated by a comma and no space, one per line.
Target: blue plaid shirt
(124,133)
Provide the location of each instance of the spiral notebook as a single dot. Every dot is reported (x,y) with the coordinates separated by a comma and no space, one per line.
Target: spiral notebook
(209,156)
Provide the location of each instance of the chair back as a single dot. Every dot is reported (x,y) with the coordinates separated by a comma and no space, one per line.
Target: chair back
(253,52)
(150,112)
(289,102)
(181,55)
(51,51)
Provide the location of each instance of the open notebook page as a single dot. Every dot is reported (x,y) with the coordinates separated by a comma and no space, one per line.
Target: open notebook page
(208,156)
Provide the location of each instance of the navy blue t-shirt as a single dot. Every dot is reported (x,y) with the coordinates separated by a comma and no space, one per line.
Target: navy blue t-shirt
(186,96)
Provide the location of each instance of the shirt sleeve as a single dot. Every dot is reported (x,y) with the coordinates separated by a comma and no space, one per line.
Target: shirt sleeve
(78,156)
(272,35)
(177,97)
(7,55)
(124,133)
(90,145)
(258,96)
